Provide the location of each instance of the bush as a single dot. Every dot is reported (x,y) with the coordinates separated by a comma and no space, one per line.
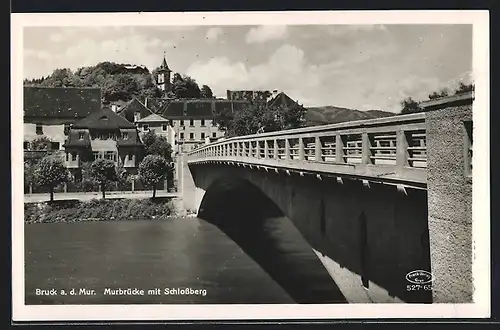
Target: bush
(98,210)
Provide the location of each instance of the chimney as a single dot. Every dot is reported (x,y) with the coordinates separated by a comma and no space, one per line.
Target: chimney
(137,116)
(114,107)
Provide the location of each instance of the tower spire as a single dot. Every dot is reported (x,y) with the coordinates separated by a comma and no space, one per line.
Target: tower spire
(164,64)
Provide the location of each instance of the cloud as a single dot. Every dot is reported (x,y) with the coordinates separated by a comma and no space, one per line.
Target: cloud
(266,33)
(56,37)
(213,34)
(285,69)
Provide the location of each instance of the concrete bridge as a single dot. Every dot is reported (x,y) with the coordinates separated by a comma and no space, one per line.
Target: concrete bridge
(375,199)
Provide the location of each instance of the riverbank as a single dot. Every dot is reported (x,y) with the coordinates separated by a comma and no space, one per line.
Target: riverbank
(99,210)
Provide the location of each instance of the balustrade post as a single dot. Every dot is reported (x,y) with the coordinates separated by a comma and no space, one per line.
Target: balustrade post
(318,151)
(275,150)
(244,149)
(366,152)
(257,149)
(250,147)
(237,149)
(339,149)
(301,149)
(266,149)
(401,150)
(287,149)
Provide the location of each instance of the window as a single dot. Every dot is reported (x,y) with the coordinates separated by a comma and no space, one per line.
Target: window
(39,129)
(182,135)
(26,145)
(111,155)
(191,122)
(202,122)
(67,156)
(96,155)
(81,135)
(214,135)
(145,127)
(73,156)
(125,135)
(54,145)
(66,129)
(191,136)
(214,123)
(164,127)
(202,135)
(181,122)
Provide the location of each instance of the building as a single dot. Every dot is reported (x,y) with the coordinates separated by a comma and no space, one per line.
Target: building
(134,110)
(103,134)
(50,111)
(164,82)
(157,124)
(281,99)
(249,95)
(193,120)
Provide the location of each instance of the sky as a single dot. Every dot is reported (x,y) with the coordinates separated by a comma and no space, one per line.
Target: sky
(360,67)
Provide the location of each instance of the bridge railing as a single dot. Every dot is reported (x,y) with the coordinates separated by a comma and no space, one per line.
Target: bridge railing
(397,141)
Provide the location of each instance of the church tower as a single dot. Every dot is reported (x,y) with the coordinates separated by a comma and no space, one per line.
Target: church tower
(163,81)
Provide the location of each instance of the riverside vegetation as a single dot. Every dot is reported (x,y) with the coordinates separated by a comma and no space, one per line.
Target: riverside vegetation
(100,210)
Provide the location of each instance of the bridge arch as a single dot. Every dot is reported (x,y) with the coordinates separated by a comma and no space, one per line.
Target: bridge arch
(368,236)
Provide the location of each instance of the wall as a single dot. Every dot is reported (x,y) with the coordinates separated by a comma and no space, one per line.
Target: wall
(54,132)
(375,232)
(450,204)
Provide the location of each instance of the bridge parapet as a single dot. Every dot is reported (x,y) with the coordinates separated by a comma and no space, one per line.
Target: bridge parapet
(383,149)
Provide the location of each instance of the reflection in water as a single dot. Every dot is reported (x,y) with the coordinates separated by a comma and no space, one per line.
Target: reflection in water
(255,223)
(243,251)
(175,253)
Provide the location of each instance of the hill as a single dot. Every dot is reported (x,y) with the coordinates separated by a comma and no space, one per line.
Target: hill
(332,115)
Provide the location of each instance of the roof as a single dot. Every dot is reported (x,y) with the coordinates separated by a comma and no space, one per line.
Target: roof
(151,118)
(198,108)
(133,138)
(156,104)
(282,100)
(74,140)
(164,65)
(58,102)
(128,110)
(104,119)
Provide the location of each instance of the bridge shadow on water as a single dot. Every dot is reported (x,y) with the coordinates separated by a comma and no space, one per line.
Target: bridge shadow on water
(264,233)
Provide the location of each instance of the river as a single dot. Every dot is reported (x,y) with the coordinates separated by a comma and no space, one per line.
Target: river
(270,264)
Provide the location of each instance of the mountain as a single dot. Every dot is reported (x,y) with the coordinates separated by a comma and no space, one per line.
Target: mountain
(332,114)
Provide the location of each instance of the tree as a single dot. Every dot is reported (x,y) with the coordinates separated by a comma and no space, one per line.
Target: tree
(179,88)
(464,88)
(157,145)
(152,170)
(409,105)
(258,117)
(40,143)
(206,92)
(436,95)
(222,118)
(51,171)
(103,171)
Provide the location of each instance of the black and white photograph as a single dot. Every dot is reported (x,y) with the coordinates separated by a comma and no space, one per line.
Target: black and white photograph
(260,165)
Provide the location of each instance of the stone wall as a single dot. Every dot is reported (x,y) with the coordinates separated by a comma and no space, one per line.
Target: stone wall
(450,203)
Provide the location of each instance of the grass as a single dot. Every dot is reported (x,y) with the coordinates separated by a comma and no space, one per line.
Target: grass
(98,210)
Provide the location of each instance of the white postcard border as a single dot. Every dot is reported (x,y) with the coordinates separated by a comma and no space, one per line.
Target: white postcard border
(481,207)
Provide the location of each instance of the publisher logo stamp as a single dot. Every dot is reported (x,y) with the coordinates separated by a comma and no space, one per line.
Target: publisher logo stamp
(419,277)
(420,280)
